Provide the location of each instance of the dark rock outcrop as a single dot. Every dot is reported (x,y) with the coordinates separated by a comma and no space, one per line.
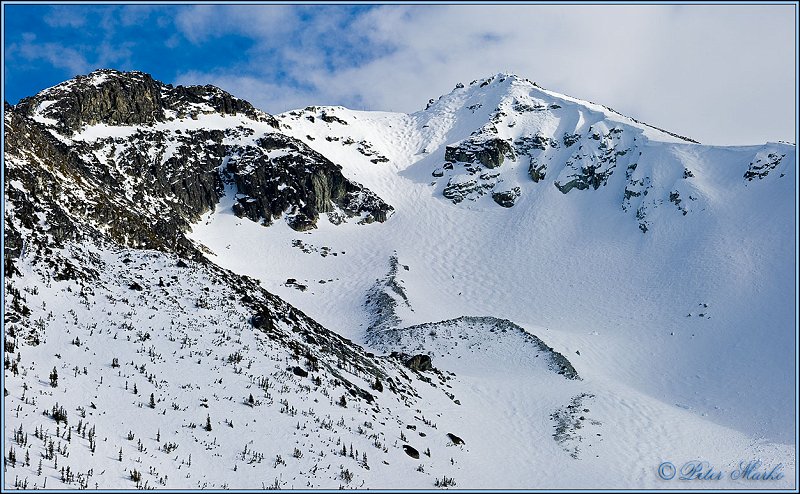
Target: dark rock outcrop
(79,189)
(506,198)
(186,99)
(129,98)
(457,191)
(455,439)
(570,139)
(490,152)
(169,176)
(590,176)
(104,96)
(762,165)
(536,170)
(329,118)
(525,144)
(411,451)
(283,175)
(419,363)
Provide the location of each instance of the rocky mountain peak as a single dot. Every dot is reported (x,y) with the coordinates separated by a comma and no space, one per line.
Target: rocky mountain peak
(505,127)
(116,98)
(143,183)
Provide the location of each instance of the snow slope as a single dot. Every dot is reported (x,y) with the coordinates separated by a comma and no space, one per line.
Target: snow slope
(671,316)
(535,238)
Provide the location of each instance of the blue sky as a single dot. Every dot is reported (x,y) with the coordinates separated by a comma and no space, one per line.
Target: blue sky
(46,44)
(722,74)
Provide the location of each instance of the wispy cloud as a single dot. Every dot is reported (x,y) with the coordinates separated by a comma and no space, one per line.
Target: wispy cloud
(61,16)
(74,60)
(203,22)
(55,54)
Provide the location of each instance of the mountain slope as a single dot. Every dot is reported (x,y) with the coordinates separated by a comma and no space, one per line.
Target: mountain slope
(108,298)
(614,271)
(552,300)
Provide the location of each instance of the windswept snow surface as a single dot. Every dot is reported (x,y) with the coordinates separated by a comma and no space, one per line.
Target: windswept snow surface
(683,335)
(660,270)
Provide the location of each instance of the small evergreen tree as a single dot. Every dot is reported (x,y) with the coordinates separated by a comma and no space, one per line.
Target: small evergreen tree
(152,401)
(54,378)
(208,423)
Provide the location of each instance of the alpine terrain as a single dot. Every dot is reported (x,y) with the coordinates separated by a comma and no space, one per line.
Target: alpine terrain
(511,288)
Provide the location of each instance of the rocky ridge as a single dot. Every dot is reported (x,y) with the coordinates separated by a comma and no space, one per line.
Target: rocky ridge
(532,138)
(166,147)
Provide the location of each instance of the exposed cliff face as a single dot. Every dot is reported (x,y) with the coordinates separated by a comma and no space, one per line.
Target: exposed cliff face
(282,175)
(129,98)
(105,190)
(489,152)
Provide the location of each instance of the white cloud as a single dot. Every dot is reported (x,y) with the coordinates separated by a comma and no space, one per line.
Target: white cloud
(200,22)
(72,60)
(63,16)
(69,59)
(723,74)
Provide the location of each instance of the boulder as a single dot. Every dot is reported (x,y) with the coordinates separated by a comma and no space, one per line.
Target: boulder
(419,363)
(412,452)
(506,198)
(537,171)
(455,439)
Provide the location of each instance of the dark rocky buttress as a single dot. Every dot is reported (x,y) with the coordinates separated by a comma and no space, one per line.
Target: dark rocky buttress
(297,181)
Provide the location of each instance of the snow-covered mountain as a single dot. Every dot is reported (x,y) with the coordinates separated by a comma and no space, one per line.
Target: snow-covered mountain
(510,288)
